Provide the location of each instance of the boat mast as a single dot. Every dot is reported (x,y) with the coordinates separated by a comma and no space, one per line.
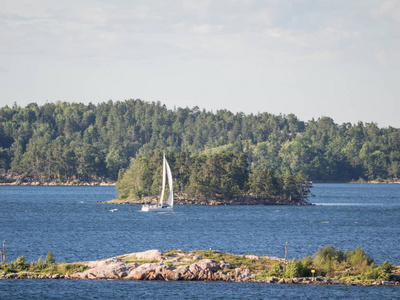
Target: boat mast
(163,181)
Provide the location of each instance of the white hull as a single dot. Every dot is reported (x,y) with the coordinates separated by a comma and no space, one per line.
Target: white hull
(157,208)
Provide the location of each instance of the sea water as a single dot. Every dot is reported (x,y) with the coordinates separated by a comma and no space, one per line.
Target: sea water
(76,227)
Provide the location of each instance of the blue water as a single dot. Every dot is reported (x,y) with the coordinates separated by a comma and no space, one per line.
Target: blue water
(68,220)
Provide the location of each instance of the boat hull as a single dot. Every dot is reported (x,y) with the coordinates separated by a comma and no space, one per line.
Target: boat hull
(157,208)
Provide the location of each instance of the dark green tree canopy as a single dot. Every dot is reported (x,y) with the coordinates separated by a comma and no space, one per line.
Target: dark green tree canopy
(72,141)
(221,176)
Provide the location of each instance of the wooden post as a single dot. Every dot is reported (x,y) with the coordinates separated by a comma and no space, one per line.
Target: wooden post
(285,251)
(3,254)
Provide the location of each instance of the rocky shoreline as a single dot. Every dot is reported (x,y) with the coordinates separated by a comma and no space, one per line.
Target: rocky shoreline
(246,200)
(179,266)
(177,201)
(37,183)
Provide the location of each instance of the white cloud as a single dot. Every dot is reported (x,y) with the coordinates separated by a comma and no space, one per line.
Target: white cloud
(91,15)
(387,9)
(196,5)
(257,47)
(202,29)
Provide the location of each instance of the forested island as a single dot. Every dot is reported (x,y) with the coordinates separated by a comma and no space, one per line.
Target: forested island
(76,143)
(219,178)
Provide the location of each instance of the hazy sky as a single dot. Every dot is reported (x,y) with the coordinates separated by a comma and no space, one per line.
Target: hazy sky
(336,58)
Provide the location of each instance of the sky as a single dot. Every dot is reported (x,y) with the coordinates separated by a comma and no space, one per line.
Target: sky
(335,58)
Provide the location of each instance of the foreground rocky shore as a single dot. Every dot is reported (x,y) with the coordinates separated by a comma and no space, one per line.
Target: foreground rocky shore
(177,265)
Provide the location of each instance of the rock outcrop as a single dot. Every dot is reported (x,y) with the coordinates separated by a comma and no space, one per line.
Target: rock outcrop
(113,268)
(177,265)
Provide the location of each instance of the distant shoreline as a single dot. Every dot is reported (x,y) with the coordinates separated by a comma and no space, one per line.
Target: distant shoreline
(112,183)
(93,183)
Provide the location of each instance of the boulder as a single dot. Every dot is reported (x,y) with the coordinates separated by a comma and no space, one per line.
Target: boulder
(145,272)
(270,280)
(208,264)
(225,266)
(146,255)
(102,263)
(107,269)
(242,274)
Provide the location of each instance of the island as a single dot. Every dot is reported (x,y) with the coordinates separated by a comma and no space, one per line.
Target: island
(220,178)
(329,266)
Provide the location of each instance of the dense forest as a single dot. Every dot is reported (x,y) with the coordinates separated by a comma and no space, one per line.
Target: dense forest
(64,142)
(216,177)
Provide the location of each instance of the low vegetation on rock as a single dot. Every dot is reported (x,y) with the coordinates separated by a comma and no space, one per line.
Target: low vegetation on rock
(46,268)
(329,265)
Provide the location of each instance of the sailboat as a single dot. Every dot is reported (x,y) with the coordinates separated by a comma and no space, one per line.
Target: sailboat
(168,206)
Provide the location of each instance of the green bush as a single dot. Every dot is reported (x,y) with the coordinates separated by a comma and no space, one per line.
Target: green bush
(359,260)
(49,258)
(327,259)
(292,269)
(276,270)
(381,273)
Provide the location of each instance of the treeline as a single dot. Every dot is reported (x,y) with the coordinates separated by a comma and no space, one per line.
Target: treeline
(221,176)
(71,141)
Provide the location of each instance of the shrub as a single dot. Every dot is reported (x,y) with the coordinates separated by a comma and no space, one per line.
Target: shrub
(381,273)
(292,269)
(276,270)
(359,260)
(327,259)
(20,263)
(49,258)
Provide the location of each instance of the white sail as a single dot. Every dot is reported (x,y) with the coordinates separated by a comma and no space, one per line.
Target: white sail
(160,207)
(170,200)
(163,181)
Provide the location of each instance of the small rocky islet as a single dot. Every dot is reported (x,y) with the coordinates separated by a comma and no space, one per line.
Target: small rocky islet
(177,265)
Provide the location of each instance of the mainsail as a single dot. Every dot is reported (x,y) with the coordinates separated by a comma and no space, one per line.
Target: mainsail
(161,207)
(170,200)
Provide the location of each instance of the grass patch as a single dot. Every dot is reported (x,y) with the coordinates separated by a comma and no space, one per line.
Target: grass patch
(172,252)
(236,261)
(39,267)
(139,261)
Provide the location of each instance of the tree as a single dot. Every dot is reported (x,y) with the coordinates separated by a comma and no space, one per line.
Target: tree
(49,260)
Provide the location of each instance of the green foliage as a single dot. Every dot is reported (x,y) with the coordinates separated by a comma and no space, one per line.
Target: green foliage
(298,268)
(236,261)
(49,258)
(384,271)
(327,259)
(276,270)
(20,263)
(350,266)
(359,259)
(71,141)
(20,267)
(292,269)
(218,176)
